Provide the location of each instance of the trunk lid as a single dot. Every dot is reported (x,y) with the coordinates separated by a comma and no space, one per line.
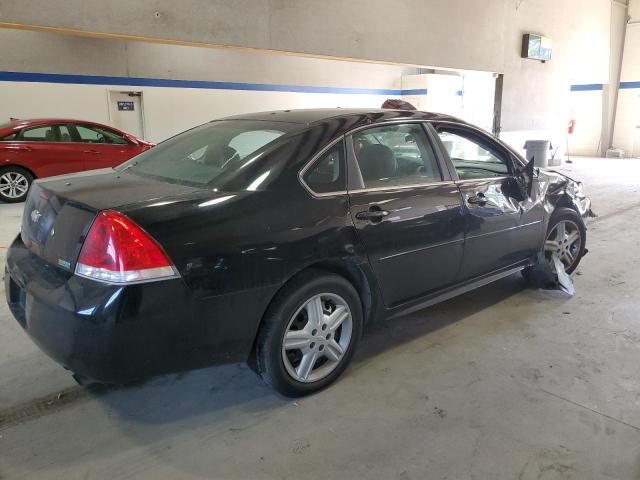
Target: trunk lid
(59,211)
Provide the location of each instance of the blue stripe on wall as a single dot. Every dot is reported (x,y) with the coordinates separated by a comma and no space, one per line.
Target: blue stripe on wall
(587,88)
(600,86)
(413,91)
(629,84)
(202,84)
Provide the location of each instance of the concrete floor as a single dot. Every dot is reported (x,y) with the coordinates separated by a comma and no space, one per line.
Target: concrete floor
(502,383)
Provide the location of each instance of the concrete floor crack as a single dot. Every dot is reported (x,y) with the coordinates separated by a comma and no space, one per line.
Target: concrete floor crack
(617,420)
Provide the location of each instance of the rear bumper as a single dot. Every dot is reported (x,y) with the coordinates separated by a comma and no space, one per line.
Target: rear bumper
(118,334)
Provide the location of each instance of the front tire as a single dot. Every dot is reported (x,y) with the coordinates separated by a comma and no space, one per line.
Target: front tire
(566,238)
(15,183)
(309,334)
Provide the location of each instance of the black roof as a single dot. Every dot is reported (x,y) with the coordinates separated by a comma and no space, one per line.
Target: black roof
(315,115)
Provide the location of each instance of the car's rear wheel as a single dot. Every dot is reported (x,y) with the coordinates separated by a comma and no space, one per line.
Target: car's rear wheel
(309,334)
(14,184)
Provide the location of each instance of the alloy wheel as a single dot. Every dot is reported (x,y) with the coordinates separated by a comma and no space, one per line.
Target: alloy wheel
(564,241)
(317,337)
(13,185)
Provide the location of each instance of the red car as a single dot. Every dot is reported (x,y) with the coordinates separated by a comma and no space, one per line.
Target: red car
(46,147)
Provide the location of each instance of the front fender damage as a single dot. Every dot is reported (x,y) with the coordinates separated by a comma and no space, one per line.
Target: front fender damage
(559,191)
(555,190)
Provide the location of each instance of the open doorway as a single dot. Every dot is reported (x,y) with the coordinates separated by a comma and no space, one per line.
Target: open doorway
(474,96)
(126,111)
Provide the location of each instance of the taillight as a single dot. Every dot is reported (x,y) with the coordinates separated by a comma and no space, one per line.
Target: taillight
(117,250)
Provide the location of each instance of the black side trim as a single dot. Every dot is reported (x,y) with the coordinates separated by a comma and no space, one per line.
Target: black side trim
(456,290)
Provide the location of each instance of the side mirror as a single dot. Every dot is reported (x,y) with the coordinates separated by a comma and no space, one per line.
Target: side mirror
(519,186)
(131,139)
(527,175)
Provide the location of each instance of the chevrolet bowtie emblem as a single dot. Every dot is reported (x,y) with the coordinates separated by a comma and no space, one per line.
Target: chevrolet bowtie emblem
(35,216)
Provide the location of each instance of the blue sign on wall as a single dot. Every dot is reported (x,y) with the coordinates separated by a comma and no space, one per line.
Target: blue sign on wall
(125,106)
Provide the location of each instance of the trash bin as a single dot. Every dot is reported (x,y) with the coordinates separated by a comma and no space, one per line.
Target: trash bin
(538,149)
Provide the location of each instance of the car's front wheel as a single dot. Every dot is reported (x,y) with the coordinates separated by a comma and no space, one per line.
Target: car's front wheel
(565,240)
(309,333)
(14,184)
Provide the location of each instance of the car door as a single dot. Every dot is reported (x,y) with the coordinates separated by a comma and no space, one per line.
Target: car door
(13,151)
(501,229)
(102,147)
(406,210)
(67,157)
(39,149)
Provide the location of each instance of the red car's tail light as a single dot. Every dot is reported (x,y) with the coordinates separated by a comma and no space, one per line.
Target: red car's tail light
(117,250)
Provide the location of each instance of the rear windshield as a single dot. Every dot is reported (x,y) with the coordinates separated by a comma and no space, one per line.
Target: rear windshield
(207,154)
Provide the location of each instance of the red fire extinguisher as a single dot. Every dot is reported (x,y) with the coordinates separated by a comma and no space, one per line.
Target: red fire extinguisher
(572,126)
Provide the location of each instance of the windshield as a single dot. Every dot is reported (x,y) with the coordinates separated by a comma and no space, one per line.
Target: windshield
(207,154)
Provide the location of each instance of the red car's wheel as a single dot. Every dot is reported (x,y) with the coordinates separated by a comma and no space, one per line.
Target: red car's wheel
(14,184)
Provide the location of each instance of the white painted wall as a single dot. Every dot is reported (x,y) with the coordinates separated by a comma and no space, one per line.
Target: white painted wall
(167,111)
(586,111)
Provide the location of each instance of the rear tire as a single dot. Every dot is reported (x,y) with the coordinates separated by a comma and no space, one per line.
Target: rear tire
(309,333)
(15,183)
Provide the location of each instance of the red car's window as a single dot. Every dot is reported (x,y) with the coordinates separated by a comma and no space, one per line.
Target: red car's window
(10,137)
(64,133)
(37,134)
(99,135)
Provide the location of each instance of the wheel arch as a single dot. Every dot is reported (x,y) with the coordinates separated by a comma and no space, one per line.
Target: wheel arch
(358,274)
(21,167)
(564,200)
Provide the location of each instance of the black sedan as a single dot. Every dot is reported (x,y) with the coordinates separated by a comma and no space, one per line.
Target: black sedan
(273,238)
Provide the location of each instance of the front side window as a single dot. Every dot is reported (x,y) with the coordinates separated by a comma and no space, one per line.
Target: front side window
(327,174)
(395,155)
(96,134)
(37,134)
(212,154)
(473,158)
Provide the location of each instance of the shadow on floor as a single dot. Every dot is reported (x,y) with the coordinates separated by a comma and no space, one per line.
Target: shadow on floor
(174,398)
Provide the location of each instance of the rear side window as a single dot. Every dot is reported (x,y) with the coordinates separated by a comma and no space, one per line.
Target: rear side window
(395,155)
(65,134)
(8,138)
(37,134)
(327,174)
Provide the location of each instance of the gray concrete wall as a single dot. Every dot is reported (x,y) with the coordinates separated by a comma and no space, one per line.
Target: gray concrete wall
(456,33)
(42,52)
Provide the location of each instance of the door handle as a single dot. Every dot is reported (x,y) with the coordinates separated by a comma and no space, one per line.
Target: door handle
(90,151)
(477,199)
(374,214)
